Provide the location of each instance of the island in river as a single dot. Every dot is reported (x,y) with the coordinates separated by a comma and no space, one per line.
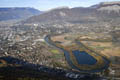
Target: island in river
(80,57)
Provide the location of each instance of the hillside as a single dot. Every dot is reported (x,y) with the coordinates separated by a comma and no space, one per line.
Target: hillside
(17,13)
(67,14)
(92,13)
(96,18)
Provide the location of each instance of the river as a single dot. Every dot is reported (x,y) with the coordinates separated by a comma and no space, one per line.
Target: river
(81,58)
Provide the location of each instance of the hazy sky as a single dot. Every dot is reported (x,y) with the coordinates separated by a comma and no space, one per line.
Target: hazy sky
(49,4)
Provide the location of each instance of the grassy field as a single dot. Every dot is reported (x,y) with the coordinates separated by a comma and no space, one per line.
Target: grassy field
(54,51)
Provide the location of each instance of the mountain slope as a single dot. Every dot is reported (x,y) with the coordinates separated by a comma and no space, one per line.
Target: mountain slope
(103,11)
(66,14)
(17,13)
(97,18)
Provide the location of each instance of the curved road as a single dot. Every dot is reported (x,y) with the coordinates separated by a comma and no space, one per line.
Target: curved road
(70,62)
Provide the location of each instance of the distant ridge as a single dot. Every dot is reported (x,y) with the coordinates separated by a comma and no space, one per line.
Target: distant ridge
(10,13)
(103,11)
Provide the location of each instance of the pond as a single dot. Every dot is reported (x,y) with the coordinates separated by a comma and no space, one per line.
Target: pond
(84,58)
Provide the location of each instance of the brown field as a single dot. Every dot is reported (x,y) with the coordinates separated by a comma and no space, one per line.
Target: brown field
(62,39)
(111,52)
(106,48)
(59,38)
